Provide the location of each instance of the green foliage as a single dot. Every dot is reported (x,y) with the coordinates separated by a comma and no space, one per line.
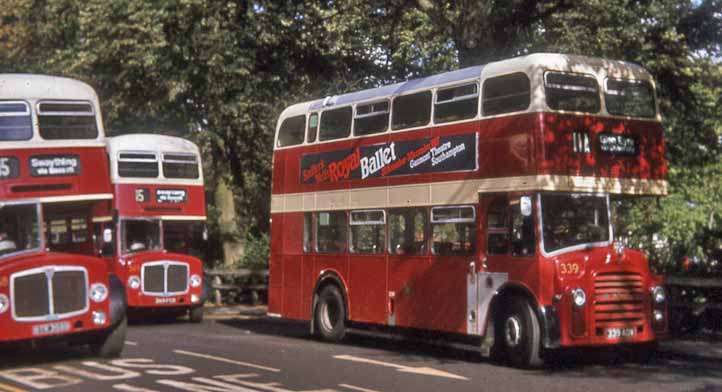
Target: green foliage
(220,72)
(257,250)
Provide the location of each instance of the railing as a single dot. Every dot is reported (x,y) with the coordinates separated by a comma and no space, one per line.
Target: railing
(238,285)
(695,302)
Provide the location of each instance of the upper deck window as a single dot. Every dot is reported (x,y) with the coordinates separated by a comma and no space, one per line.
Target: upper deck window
(633,98)
(67,120)
(180,166)
(312,130)
(137,164)
(291,132)
(506,94)
(456,103)
(413,110)
(335,124)
(371,118)
(574,93)
(15,121)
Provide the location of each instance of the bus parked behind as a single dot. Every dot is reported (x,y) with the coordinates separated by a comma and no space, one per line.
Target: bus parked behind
(158,222)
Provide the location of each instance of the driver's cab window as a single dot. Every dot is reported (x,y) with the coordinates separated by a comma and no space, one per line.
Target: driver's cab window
(522,231)
(497,231)
(509,231)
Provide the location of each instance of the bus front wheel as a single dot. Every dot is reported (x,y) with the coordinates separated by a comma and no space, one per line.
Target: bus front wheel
(110,344)
(519,335)
(195,314)
(330,314)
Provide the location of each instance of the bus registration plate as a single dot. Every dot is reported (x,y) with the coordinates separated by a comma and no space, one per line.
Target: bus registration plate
(617,333)
(46,329)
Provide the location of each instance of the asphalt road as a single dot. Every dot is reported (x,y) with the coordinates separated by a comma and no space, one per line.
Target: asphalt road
(260,354)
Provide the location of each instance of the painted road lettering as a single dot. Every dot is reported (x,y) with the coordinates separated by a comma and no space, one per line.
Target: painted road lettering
(41,379)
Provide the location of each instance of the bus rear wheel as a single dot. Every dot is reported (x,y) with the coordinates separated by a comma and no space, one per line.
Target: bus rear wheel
(330,314)
(519,335)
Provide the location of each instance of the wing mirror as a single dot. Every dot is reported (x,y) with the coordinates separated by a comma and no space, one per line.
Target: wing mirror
(107,236)
(525,205)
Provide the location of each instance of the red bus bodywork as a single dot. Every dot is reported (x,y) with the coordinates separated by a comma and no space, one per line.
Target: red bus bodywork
(528,153)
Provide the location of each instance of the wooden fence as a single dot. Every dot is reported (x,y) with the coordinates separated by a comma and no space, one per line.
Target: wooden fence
(230,286)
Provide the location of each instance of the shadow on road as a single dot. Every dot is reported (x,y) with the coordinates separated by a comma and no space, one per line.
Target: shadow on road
(625,364)
(16,355)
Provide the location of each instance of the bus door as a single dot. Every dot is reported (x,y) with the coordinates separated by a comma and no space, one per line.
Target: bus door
(453,255)
(408,302)
(510,237)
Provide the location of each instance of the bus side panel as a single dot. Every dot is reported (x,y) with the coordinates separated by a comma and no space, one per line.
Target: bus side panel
(444,289)
(308,285)
(292,262)
(367,288)
(275,266)
(505,147)
(404,275)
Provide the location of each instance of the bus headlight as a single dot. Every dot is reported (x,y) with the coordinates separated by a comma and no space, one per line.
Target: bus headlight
(4,303)
(195,281)
(98,292)
(658,294)
(134,282)
(579,297)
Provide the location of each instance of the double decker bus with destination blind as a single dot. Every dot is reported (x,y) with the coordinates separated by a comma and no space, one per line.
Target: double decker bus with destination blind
(473,203)
(53,175)
(157,223)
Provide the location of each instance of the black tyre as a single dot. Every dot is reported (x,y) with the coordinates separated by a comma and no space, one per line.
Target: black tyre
(518,335)
(110,344)
(330,314)
(195,314)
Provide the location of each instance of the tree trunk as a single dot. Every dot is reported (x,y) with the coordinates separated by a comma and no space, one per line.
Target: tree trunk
(228,223)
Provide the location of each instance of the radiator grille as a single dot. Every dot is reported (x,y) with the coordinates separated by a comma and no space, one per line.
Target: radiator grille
(49,292)
(618,299)
(165,278)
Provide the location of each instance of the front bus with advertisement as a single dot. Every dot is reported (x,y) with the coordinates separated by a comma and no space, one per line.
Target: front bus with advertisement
(53,175)
(158,223)
(472,203)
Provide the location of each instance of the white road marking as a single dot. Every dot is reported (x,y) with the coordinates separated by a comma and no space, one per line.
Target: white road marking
(129,343)
(8,388)
(355,388)
(226,360)
(401,368)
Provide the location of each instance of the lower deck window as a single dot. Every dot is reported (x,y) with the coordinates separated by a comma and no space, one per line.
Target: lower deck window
(453,230)
(368,231)
(331,232)
(407,231)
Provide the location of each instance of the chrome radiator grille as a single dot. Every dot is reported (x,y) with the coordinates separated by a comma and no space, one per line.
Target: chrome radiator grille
(618,298)
(161,278)
(49,292)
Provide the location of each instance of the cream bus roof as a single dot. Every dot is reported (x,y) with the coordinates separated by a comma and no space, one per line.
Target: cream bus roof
(150,142)
(532,65)
(157,145)
(29,86)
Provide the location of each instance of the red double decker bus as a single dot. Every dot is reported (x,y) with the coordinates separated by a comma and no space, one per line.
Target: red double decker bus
(474,202)
(158,222)
(53,174)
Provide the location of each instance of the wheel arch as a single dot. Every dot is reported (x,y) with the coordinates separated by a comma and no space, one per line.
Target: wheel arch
(328,277)
(505,293)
